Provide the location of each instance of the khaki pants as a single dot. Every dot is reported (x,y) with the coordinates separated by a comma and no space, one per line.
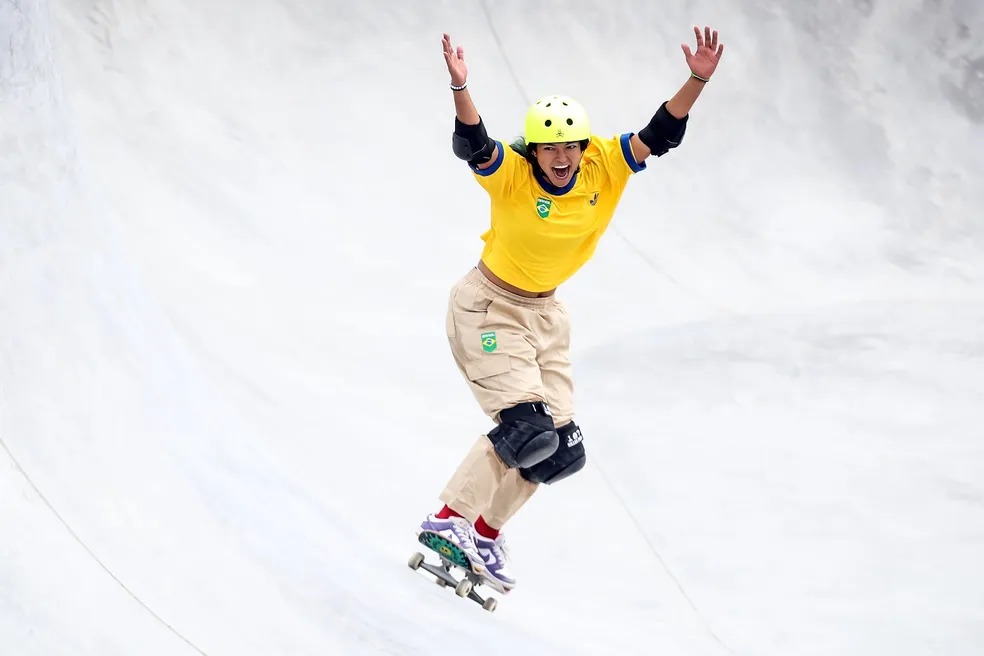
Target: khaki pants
(511,350)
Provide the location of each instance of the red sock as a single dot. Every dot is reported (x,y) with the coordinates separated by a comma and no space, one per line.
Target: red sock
(447,513)
(485,530)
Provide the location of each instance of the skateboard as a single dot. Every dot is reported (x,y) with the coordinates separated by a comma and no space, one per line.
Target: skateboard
(452,559)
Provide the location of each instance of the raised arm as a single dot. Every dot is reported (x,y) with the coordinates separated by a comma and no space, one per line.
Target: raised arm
(668,125)
(470,141)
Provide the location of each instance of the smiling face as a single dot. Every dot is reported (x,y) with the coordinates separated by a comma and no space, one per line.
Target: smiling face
(559,161)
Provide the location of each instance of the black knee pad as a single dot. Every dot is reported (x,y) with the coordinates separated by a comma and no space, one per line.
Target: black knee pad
(569,458)
(525,435)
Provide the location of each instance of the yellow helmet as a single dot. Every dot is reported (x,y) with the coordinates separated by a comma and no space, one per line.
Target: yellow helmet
(556,119)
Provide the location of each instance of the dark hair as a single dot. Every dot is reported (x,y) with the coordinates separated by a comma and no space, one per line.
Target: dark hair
(520,146)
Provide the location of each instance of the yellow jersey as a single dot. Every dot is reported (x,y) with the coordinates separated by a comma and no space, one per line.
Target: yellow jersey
(540,235)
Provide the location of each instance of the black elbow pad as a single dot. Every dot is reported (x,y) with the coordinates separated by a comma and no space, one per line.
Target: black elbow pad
(664,131)
(471,142)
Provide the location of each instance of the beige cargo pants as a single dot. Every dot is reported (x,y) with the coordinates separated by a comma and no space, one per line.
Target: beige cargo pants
(511,350)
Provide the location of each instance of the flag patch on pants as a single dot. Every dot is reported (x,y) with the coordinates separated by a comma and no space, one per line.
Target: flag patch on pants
(489,342)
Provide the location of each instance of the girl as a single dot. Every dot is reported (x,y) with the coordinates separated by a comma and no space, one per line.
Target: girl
(553,194)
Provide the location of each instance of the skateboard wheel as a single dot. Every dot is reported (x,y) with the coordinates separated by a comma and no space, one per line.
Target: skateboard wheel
(415,560)
(489,604)
(463,588)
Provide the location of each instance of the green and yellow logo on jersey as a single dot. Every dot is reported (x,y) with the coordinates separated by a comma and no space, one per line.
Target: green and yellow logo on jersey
(489,342)
(543,207)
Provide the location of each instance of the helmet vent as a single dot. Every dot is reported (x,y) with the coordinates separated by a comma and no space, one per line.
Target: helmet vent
(570,121)
(548,123)
(548,104)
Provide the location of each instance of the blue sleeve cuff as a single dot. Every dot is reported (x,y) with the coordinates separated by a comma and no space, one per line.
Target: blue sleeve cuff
(495,165)
(627,154)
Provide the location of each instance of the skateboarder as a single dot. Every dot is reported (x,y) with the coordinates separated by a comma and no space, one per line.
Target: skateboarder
(553,194)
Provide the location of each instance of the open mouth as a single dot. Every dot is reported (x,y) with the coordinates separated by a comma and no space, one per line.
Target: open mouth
(561,172)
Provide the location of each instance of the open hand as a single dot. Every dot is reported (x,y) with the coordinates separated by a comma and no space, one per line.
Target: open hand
(456,62)
(705,60)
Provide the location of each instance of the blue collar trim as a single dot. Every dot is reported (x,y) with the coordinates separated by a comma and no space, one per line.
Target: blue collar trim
(553,189)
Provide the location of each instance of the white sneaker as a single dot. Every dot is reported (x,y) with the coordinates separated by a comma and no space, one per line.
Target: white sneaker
(497,562)
(450,536)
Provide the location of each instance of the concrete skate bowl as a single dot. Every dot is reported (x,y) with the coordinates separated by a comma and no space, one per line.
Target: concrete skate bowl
(226,238)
